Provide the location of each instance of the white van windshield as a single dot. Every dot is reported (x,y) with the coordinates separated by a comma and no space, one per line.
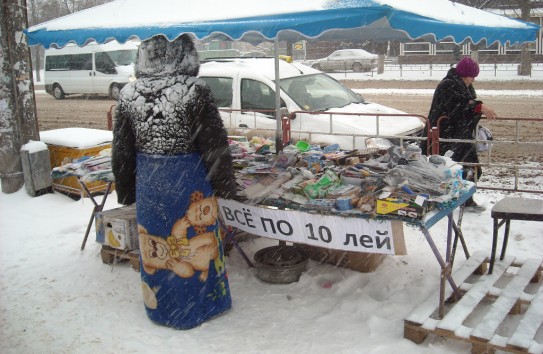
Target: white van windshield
(123,57)
(318,92)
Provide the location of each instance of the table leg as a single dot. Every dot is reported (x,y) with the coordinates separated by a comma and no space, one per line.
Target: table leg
(458,235)
(449,238)
(97,207)
(445,270)
(494,241)
(231,237)
(505,237)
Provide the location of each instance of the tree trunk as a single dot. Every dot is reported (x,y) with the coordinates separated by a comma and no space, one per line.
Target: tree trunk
(37,63)
(18,122)
(289,48)
(525,68)
(381,52)
(474,54)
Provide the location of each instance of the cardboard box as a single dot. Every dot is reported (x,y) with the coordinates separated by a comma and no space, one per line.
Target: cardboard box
(117,228)
(403,205)
(362,262)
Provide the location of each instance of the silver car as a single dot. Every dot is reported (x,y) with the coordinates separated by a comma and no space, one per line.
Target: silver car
(347,59)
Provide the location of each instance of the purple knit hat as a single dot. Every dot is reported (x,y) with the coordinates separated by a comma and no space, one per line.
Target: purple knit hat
(467,67)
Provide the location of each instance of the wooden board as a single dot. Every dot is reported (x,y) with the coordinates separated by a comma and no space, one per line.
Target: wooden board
(113,256)
(498,311)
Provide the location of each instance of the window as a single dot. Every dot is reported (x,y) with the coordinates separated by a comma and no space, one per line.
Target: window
(221,88)
(256,95)
(123,57)
(69,62)
(104,64)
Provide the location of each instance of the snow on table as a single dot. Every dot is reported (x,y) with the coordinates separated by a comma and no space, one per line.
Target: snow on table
(80,138)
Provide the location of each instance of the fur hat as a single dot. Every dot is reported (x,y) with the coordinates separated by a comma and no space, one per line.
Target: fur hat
(467,67)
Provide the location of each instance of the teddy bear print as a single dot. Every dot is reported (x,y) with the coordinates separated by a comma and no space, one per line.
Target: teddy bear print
(177,253)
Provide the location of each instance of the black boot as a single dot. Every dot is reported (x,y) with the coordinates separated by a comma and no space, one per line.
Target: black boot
(470,203)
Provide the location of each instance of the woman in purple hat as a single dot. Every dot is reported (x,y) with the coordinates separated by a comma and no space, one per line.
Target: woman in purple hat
(455,98)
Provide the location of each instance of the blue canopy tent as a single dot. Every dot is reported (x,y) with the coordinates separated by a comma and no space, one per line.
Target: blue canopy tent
(265,20)
(270,20)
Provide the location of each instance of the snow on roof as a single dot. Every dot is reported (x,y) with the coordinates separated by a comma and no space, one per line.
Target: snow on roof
(171,12)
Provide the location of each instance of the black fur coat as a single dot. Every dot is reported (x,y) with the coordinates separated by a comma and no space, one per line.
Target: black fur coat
(168,111)
(452,98)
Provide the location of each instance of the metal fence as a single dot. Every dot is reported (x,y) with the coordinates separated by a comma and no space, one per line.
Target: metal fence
(519,175)
(439,70)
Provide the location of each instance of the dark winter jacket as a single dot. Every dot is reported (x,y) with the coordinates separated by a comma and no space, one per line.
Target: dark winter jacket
(452,98)
(168,111)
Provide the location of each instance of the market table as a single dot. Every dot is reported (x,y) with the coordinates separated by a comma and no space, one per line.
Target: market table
(291,222)
(68,144)
(97,206)
(89,170)
(375,235)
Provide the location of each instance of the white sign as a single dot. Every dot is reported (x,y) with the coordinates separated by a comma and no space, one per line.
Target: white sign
(329,231)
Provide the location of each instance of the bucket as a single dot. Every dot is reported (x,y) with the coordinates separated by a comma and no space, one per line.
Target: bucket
(280,264)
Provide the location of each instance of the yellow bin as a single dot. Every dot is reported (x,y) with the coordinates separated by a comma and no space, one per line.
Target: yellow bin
(66,145)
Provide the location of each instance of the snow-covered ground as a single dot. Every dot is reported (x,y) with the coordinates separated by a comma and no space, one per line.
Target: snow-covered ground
(57,299)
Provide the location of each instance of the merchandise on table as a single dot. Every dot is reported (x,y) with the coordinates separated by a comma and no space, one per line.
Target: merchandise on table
(397,181)
(89,168)
(71,144)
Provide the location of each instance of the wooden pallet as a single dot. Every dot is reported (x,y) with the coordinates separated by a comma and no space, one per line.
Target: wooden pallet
(113,256)
(498,311)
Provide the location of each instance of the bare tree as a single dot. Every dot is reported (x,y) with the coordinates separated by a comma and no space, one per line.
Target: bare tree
(525,57)
(44,10)
(18,122)
(71,6)
(33,18)
(521,9)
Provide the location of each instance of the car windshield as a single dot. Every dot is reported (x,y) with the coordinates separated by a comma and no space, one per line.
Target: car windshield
(318,92)
(123,57)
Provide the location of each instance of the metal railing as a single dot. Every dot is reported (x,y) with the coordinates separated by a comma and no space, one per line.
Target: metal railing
(356,140)
(497,169)
(494,167)
(492,69)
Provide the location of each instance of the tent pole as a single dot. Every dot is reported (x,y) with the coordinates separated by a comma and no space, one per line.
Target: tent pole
(278,135)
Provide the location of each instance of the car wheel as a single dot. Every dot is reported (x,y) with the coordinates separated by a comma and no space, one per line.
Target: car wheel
(357,67)
(58,93)
(115,92)
(317,67)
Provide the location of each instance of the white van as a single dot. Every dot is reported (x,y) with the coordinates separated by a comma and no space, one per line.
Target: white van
(101,69)
(326,112)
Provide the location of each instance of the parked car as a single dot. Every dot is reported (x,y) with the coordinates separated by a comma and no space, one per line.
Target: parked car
(346,59)
(244,91)
(101,69)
